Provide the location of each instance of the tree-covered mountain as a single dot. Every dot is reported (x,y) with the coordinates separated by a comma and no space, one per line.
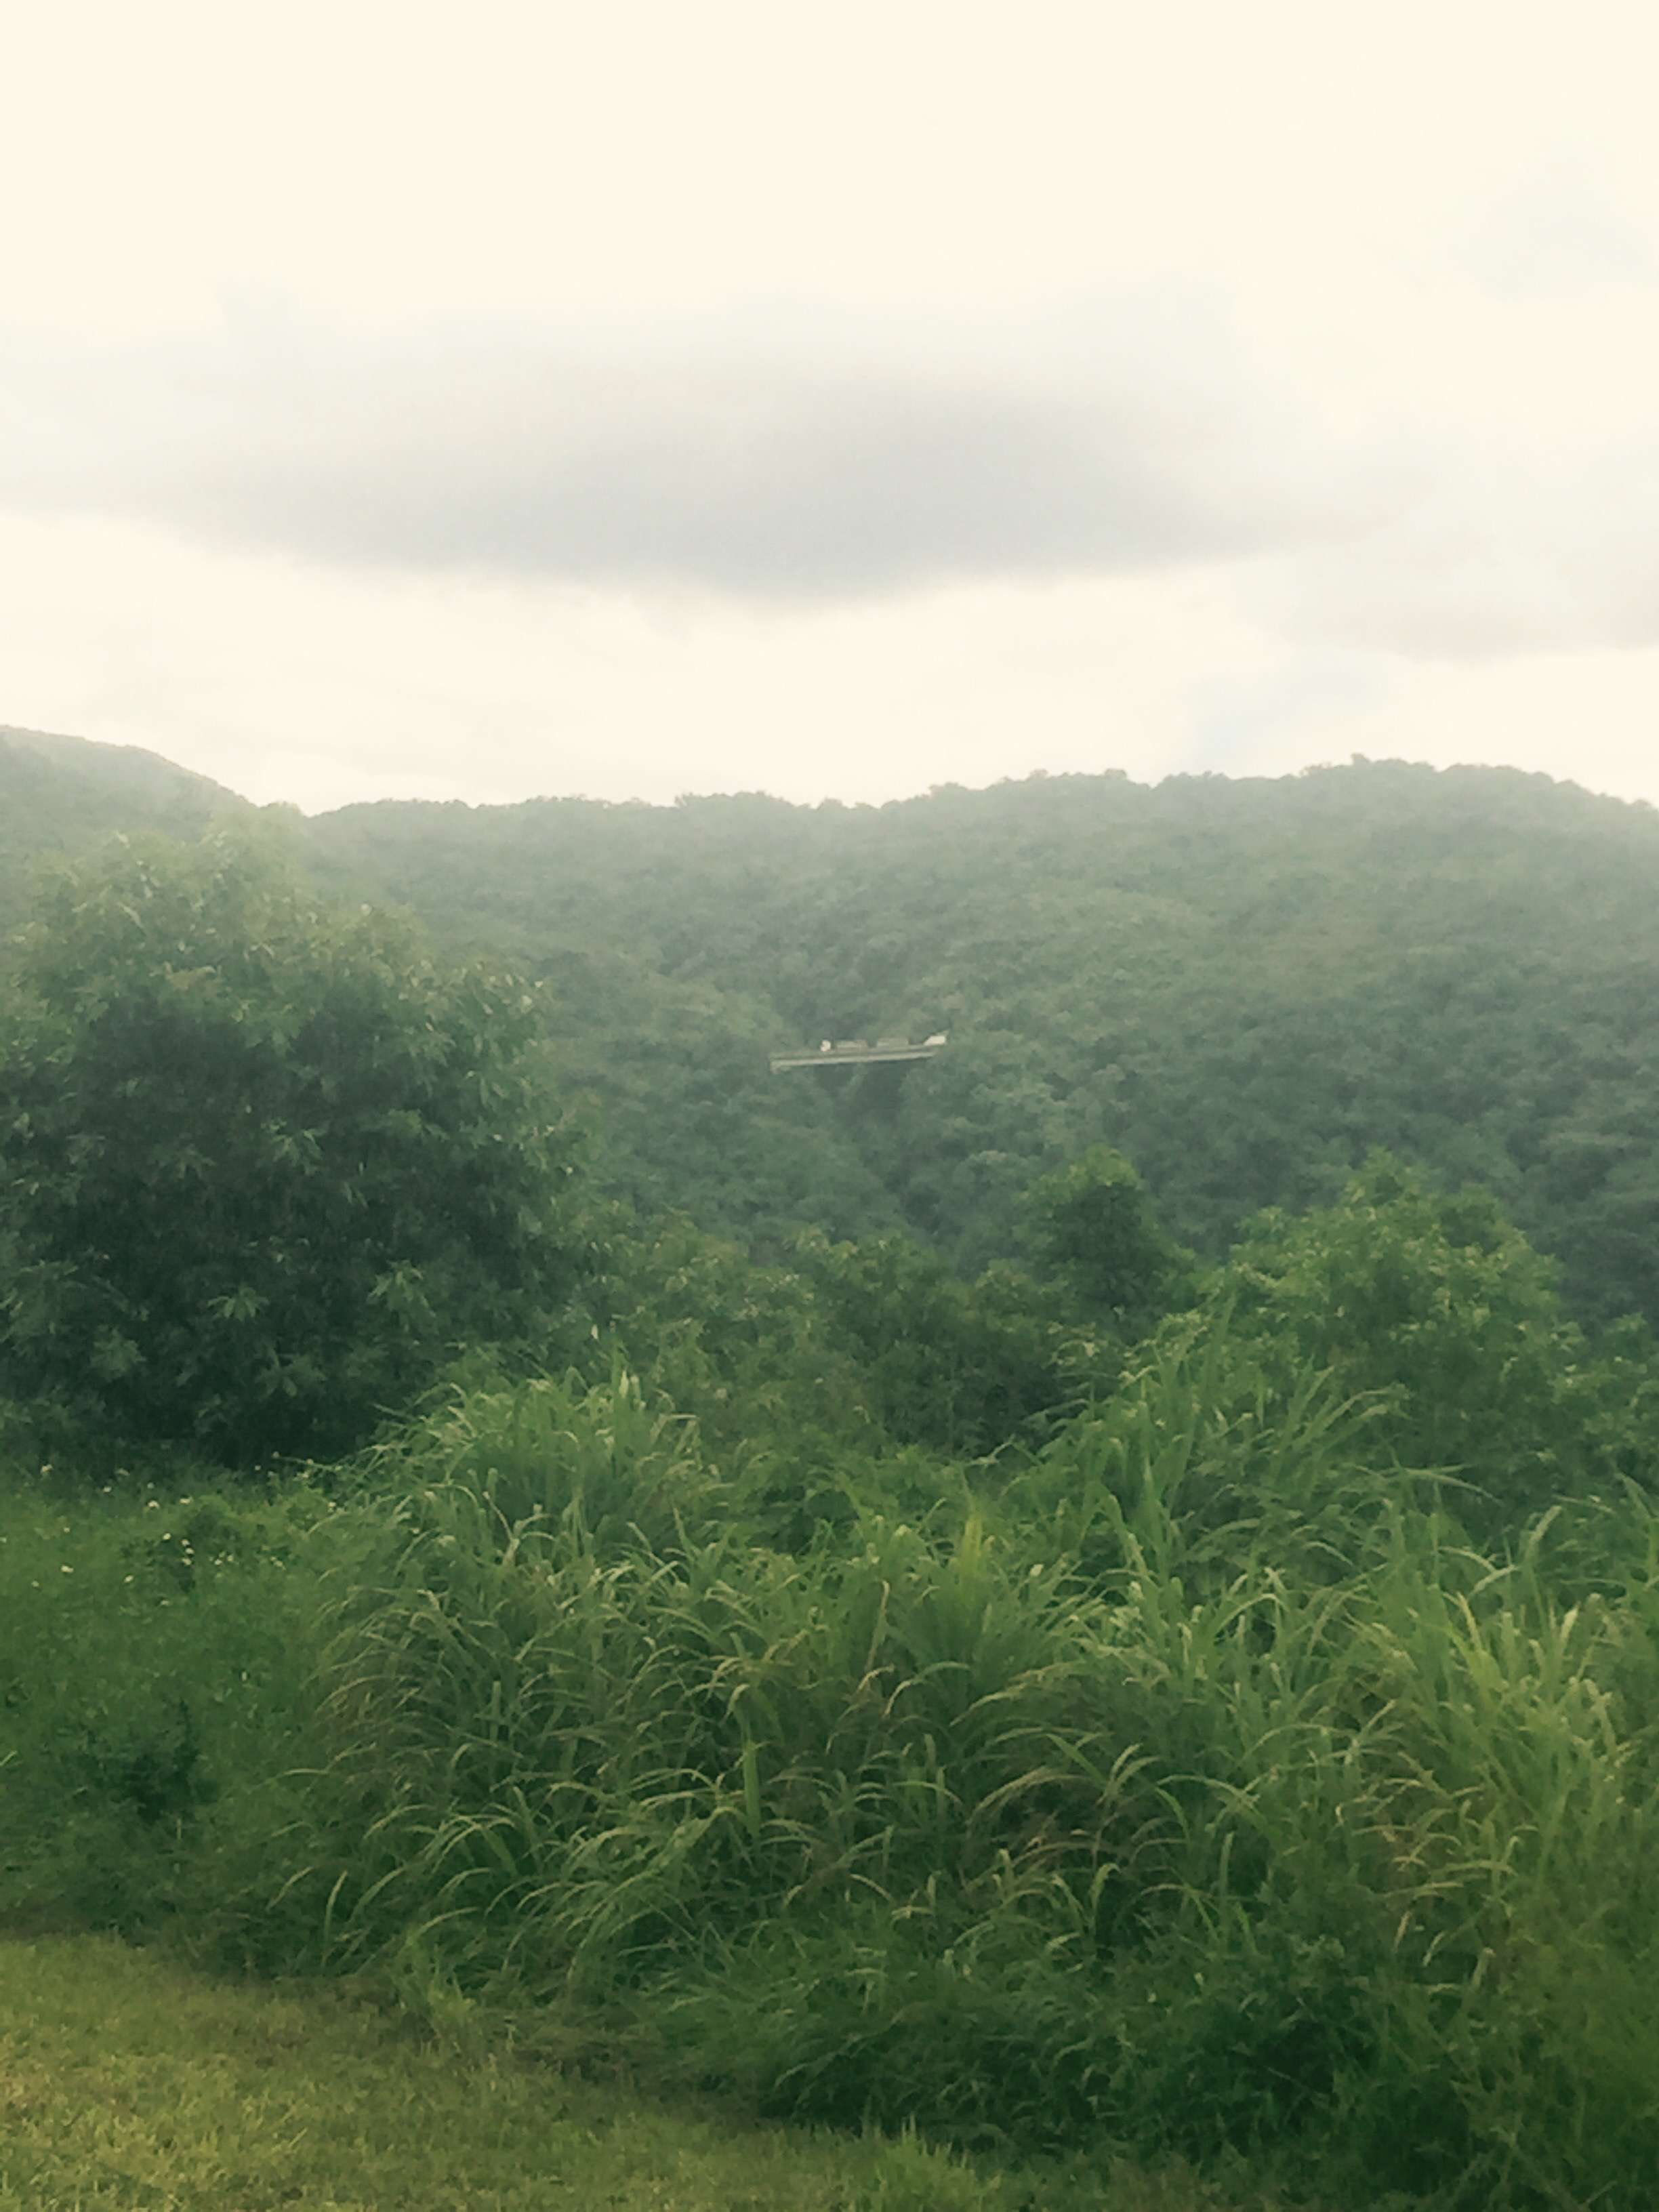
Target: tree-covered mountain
(1246,986)
(56,792)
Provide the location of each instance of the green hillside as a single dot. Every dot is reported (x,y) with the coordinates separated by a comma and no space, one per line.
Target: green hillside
(57,793)
(1246,986)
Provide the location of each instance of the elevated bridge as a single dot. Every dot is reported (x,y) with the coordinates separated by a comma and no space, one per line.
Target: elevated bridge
(857,1052)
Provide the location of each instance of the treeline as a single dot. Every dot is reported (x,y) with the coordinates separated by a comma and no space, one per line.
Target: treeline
(1115,1700)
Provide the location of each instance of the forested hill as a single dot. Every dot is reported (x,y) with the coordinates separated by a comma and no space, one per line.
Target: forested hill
(56,793)
(1245,985)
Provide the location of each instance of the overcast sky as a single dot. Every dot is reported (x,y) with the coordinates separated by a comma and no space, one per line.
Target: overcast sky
(491,400)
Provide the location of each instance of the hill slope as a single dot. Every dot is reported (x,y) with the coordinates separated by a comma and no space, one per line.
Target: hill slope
(1245,985)
(56,792)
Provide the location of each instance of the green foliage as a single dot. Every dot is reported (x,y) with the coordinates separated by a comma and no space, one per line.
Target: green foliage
(1245,987)
(1254,1761)
(1199,1793)
(841,1354)
(1091,1224)
(960,1368)
(153,1667)
(263,1162)
(1441,1306)
(1204,1791)
(1206,1461)
(600,1464)
(748,1349)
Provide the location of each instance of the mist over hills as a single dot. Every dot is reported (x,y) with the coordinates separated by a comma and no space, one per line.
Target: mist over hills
(1245,985)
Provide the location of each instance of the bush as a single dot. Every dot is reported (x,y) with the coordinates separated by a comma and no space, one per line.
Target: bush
(1090,1225)
(1189,1780)
(956,1367)
(1440,1307)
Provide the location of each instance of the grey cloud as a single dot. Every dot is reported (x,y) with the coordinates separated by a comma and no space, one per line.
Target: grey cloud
(790,467)
(720,481)
(779,476)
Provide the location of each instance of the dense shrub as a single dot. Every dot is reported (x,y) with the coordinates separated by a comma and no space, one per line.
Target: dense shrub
(1441,1307)
(1091,1225)
(958,1367)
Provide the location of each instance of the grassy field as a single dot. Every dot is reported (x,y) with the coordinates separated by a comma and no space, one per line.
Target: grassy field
(127,2081)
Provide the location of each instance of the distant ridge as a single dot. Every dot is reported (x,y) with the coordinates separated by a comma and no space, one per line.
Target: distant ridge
(56,792)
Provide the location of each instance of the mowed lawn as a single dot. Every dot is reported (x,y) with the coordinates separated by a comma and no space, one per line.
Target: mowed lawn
(128,2082)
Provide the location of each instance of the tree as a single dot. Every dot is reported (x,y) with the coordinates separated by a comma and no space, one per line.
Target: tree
(1091,1226)
(958,1367)
(1442,1305)
(265,1162)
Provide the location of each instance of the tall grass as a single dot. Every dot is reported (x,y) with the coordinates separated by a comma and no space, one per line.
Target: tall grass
(1199,1786)
(1194,1784)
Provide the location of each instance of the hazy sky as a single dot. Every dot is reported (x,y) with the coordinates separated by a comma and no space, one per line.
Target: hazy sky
(636,398)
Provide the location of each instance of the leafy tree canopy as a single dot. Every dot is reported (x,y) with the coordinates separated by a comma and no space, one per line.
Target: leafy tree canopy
(1245,987)
(1091,1223)
(1440,1304)
(263,1160)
